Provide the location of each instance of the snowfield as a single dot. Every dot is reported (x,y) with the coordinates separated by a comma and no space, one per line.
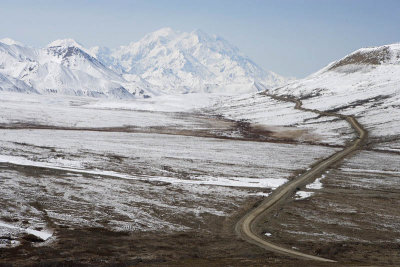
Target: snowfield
(98,113)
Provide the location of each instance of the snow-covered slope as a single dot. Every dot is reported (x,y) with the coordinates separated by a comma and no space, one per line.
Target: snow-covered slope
(164,61)
(365,83)
(9,41)
(178,62)
(63,67)
(14,85)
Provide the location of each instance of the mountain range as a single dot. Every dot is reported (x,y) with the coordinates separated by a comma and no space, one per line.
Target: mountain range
(162,62)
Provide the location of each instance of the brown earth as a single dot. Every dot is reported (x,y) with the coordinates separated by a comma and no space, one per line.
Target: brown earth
(218,245)
(100,247)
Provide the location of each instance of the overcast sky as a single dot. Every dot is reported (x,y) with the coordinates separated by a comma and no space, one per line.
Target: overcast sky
(292,38)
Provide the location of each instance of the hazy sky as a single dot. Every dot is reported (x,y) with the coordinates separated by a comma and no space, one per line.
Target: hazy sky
(292,38)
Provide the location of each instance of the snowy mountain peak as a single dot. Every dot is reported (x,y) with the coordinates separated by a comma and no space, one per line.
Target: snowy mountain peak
(65,43)
(9,41)
(157,36)
(203,35)
(182,62)
(163,32)
(69,47)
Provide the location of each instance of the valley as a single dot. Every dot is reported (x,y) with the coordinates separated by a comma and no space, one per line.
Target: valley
(88,182)
(178,150)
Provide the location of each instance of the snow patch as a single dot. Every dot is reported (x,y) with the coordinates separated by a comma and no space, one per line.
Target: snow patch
(303,194)
(370,171)
(44,235)
(316,184)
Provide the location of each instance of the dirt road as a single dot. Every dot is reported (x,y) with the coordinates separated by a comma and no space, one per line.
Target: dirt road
(245,227)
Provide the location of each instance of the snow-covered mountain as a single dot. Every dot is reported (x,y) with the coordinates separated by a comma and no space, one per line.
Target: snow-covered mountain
(11,84)
(162,62)
(63,67)
(365,83)
(360,71)
(176,62)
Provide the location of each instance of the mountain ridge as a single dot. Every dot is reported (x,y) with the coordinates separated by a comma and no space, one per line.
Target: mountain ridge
(162,62)
(64,70)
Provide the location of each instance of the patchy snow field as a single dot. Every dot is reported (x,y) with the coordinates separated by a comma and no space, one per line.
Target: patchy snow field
(351,214)
(283,120)
(117,171)
(97,113)
(69,163)
(355,213)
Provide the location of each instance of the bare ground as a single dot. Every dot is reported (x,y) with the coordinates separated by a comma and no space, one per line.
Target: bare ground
(362,242)
(353,219)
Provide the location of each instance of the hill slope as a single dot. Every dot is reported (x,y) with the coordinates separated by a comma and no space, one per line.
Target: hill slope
(364,83)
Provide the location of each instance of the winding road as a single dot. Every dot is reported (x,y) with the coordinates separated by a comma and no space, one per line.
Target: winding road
(245,227)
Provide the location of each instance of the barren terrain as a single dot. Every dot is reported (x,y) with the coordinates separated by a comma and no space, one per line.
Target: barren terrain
(100,184)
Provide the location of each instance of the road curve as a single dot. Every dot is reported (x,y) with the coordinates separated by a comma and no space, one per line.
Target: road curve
(245,226)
